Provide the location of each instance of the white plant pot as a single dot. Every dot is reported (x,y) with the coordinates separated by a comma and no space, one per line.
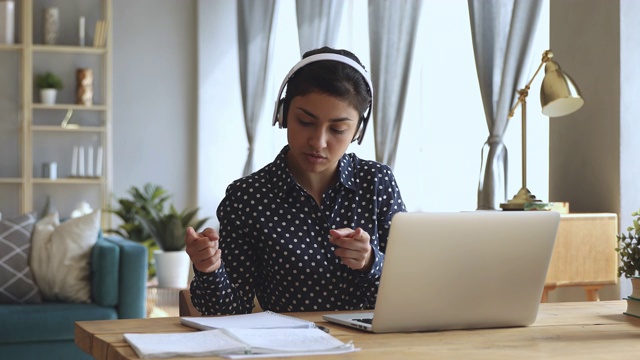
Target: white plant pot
(48,96)
(172,268)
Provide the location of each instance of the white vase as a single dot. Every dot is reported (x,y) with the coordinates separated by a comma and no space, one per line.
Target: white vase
(48,96)
(172,268)
(7,22)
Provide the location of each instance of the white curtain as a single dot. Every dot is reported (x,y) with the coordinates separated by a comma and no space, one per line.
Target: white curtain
(318,23)
(502,31)
(255,24)
(392,29)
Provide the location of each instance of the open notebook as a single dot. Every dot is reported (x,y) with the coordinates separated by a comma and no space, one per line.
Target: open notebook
(240,336)
(462,270)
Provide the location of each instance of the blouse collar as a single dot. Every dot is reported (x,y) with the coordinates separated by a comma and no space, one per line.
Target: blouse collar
(283,179)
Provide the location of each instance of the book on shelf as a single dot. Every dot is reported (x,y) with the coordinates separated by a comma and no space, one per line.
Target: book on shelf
(96,33)
(633,306)
(259,320)
(238,343)
(103,38)
(100,34)
(635,287)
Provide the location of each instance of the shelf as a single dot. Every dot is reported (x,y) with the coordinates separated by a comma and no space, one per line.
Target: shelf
(74,181)
(12,47)
(10,180)
(40,106)
(70,128)
(68,49)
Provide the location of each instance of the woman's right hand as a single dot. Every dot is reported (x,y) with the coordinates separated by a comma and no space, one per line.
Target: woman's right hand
(203,250)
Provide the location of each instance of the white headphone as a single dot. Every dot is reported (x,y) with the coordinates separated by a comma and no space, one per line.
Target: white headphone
(278,111)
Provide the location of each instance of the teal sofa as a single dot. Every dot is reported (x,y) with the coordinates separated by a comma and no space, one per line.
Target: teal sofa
(46,330)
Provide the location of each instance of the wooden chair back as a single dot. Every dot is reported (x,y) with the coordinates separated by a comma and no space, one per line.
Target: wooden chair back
(185,305)
(187,308)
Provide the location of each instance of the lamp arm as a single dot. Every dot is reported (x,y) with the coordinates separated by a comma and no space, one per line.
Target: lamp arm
(522,99)
(523,93)
(524,195)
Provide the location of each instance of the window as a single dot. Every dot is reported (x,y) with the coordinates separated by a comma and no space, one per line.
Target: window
(444,127)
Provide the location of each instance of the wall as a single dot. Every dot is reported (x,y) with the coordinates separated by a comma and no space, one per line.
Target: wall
(593,161)
(584,151)
(629,111)
(154,97)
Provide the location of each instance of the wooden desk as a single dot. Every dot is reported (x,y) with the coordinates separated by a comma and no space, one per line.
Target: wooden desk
(562,330)
(584,253)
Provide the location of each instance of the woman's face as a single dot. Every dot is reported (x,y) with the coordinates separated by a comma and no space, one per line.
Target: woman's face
(320,128)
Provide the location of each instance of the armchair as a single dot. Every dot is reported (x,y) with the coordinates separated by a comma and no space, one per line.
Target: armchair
(46,330)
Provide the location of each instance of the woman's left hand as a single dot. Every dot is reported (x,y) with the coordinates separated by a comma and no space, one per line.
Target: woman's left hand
(353,248)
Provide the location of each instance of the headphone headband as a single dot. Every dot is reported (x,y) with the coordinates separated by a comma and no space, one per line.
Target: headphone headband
(278,117)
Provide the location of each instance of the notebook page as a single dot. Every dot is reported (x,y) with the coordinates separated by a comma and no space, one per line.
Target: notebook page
(201,343)
(287,340)
(230,343)
(260,320)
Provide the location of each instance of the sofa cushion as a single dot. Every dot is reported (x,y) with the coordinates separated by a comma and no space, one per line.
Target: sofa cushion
(16,279)
(61,255)
(105,272)
(47,321)
(133,278)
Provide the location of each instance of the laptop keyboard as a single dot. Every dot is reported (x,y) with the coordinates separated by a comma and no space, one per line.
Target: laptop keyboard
(366,320)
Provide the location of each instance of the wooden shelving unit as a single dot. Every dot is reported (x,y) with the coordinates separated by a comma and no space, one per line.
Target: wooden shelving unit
(38,133)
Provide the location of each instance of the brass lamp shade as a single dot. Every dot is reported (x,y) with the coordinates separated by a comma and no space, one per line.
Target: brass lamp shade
(559,95)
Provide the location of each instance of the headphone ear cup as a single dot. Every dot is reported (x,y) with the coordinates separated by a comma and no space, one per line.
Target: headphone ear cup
(280,115)
(359,132)
(364,119)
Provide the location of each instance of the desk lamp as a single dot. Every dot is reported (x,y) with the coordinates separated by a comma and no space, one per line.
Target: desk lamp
(559,96)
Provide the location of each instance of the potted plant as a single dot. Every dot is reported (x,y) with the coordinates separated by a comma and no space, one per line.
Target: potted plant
(629,250)
(138,204)
(49,84)
(168,230)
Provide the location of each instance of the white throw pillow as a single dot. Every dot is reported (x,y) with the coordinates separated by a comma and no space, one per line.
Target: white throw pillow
(61,255)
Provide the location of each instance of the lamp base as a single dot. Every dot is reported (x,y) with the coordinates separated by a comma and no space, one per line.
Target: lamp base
(519,200)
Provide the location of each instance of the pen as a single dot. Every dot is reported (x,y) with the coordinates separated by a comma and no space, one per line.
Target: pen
(325,329)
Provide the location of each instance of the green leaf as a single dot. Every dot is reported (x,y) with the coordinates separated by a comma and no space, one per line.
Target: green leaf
(629,250)
(48,80)
(144,217)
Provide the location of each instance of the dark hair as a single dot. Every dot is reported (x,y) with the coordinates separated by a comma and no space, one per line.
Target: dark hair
(332,78)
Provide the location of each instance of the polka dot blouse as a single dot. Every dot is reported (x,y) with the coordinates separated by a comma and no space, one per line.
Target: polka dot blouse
(275,241)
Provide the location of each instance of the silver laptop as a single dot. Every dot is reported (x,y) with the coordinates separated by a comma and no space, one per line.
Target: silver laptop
(466,270)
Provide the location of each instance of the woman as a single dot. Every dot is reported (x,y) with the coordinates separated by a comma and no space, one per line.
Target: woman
(308,231)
